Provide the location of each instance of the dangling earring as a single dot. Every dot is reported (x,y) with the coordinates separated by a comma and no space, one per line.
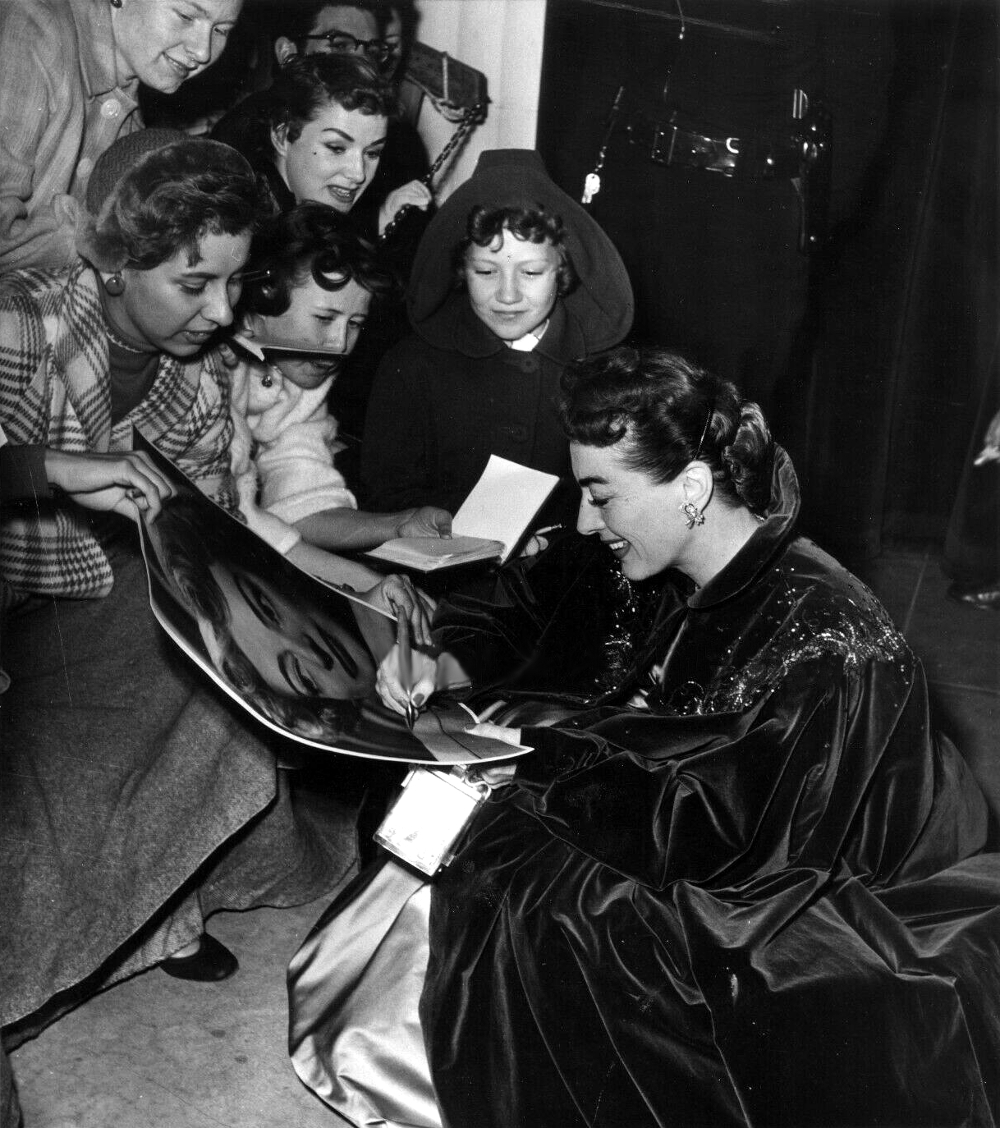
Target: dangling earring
(690,511)
(115,285)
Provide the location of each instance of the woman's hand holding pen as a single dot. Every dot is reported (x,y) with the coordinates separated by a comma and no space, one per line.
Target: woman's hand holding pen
(390,682)
(406,676)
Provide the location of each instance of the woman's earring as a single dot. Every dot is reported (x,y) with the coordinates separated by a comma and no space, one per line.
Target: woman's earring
(115,285)
(691,512)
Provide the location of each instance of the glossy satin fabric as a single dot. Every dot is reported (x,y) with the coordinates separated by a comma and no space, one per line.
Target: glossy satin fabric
(355,984)
(767,897)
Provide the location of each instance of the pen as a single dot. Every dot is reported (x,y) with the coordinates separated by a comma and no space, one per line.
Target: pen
(405,664)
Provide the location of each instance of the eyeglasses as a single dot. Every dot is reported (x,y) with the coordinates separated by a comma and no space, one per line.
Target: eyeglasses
(340,43)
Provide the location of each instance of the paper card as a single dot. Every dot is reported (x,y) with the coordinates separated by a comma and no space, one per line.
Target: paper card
(503,503)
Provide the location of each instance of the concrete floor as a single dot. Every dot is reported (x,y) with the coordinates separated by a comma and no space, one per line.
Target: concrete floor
(156,1052)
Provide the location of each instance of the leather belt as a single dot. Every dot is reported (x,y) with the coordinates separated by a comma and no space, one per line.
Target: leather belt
(668,144)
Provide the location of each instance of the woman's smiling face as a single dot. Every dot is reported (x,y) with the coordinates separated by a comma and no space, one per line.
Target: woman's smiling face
(334,158)
(638,519)
(297,654)
(163,43)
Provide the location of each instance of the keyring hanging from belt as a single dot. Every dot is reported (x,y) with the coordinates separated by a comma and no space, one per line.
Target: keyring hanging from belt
(592,181)
(469,120)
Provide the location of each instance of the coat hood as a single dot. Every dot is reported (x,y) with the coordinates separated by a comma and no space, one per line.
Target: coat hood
(599,308)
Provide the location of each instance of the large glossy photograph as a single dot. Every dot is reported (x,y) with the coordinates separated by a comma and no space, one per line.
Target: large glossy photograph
(298,654)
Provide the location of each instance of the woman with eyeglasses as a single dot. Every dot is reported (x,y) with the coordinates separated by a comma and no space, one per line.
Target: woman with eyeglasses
(321,28)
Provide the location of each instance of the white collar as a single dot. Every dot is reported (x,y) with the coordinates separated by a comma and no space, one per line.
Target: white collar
(529,341)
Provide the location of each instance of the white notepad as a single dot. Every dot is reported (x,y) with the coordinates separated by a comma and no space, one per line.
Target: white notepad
(489,524)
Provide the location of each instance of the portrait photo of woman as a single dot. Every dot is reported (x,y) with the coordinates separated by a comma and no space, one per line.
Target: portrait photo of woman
(301,656)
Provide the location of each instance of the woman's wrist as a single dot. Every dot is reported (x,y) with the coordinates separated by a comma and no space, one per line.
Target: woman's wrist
(400,520)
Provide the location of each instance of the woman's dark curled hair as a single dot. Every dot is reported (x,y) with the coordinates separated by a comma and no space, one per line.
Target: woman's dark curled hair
(671,412)
(311,239)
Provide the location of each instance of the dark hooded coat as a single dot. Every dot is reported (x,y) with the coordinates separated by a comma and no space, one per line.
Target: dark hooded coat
(452,394)
(765,896)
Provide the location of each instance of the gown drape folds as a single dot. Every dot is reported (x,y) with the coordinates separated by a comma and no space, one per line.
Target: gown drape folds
(749,885)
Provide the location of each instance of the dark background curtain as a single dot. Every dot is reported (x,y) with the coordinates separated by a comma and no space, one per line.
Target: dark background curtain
(895,373)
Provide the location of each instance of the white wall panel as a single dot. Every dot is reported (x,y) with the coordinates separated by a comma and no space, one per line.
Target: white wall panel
(503,39)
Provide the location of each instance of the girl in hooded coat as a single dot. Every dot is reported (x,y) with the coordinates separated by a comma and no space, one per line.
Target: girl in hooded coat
(511,281)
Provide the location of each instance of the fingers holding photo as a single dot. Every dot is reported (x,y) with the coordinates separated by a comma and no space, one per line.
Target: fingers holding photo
(400,594)
(126,481)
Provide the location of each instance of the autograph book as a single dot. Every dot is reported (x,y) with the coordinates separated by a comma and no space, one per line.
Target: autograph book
(296,653)
(489,524)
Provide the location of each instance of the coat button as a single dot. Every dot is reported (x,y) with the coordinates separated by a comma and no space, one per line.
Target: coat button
(111,108)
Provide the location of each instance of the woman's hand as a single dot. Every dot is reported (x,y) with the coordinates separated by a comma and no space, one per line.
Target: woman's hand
(496,732)
(497,775)
(500,774)
(124,482)
(423,679)
(426,521)
(414,194)
(397,593)
(991,443)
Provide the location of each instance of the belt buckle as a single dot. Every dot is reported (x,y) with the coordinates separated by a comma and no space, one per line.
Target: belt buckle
(656,148)
(727,156)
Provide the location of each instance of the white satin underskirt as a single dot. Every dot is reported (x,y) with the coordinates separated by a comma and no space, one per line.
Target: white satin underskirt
(354,990)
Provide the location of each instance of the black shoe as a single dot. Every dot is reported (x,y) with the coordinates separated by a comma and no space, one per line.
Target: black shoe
(985,598)
(209,964)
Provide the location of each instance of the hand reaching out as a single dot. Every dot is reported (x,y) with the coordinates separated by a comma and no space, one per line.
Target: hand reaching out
(497,775)
(124,482)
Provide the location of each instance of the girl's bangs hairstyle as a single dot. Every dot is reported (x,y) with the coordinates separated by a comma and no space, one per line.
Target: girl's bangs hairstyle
(171,199)
(533,225)
(311,240)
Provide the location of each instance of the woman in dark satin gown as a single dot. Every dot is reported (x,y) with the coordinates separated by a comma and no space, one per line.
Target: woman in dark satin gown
(747,885)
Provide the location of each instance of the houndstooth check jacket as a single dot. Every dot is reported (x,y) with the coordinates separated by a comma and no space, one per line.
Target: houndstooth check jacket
(55,391)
